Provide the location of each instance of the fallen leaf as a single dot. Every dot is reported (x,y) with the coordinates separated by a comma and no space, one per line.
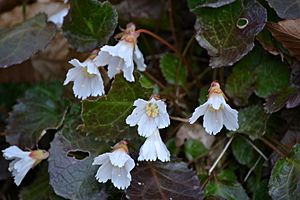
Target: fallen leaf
(288,33)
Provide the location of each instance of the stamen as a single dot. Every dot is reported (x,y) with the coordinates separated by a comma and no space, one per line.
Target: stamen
(152,110)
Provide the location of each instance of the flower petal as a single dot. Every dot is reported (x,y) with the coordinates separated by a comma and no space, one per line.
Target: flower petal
(139,59)
(14,152)
(58,18)
(72,74)
(118,157)
(213,122)
(99,160)
(199,111)
(135,116)
(104,172)
(21,168)
(230,117)
(146,125)
(216,100)
(120,177)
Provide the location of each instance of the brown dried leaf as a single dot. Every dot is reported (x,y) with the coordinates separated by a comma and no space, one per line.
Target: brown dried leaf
(288,33)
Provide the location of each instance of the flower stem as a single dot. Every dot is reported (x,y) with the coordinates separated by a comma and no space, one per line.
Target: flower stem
(179,119)
(163,41)
(220,156)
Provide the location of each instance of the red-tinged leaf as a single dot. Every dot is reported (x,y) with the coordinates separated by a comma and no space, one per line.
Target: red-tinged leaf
(155,180)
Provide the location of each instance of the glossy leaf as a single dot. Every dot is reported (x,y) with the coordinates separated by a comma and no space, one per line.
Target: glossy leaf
(105,118)
(193,4)
(40,108)
(272,76)
(219,30)
(172,69)
(23,40)
(89,24)
(194,149)
(284,181)
(252,121)
(241,82)
(287,9)
(278,100)
(155,180)
(243,151)
(70,177)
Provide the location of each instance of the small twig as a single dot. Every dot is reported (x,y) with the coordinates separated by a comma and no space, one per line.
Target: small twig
(256,148)
(251,170)
(179,119)
(220,156)
(154,79)
(271,146)
(186,48)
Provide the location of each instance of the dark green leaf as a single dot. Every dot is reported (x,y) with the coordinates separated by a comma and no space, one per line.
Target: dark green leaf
(145,82)
(278,100)
(172,69)
(240,83)
(243,151)
(70,177)
(41,108)
(219,34)
(229,191)
(105,117)
(155,180)
(193,4)
(23,40)
(252,121)
(194,149)
(258,187)
(287,9)
(272,75)
(89,24)
(284,182)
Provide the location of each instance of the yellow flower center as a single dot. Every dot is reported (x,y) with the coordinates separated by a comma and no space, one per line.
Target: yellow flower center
(211,109)
(86,73)
(152,110)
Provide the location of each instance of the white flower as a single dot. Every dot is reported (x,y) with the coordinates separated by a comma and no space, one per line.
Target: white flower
(120,57)
(58,18)
(115,166)
(216,112)
(149,116)
(87,79)
(23,161)
(154,148)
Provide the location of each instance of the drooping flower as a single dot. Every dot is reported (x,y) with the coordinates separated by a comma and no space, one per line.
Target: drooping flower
(216,112)
(122,56)
(154,148)
(86,77)
(149,116)
(23,161)
(115,166)
(58,18)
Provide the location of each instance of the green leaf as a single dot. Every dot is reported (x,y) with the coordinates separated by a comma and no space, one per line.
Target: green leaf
(203,94)
(39,188)
(252,121)
(172,69)
(258,188)
(208,3)
(41,108)
(287,9)
(105,117)
(278,100)
(285,176)
(71,176)
(145,82)
(218,33)
(89,24)
(194,149)
(230,192)
(272,76)
(240,83)
(23,40)
(243,151)
(156,180)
